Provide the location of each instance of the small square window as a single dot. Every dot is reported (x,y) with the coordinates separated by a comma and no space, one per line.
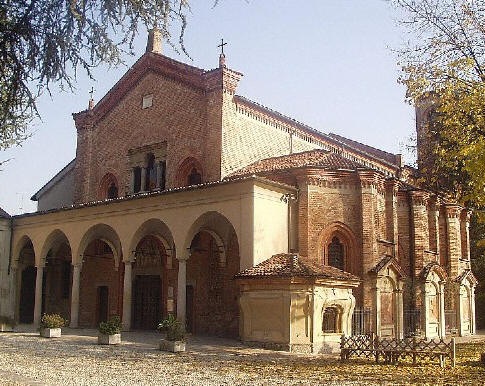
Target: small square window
(147,101)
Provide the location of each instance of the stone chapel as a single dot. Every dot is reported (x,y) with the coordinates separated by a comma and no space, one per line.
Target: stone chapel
(186,198)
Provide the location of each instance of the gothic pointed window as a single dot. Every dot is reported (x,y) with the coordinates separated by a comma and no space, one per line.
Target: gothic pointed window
(336,254)
(194,177)
(112,191)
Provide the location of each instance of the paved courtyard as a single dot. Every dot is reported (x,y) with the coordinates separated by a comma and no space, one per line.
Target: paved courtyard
(76,359)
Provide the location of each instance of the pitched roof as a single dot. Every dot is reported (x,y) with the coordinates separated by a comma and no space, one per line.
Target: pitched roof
(381,154)
(54,180)
(4,214)
(328,141)
(291,265)
(313,158)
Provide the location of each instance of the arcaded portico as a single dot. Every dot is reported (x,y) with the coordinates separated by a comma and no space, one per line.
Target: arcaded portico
(117,239)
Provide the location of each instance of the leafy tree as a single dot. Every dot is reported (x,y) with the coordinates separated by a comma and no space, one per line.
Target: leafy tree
(47,41)
(443,69)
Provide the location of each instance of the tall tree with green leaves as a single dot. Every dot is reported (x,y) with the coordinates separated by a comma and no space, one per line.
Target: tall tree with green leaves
(46,42)
(444,71)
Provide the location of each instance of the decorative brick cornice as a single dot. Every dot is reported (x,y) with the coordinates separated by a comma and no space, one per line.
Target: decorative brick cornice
(453,210)
(196,78)
(419,197)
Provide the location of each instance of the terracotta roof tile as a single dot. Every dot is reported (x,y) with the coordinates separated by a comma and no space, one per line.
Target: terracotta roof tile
(313,158)
(291,265)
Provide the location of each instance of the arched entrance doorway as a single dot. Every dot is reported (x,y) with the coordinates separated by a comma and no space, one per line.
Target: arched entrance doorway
(211,292)
(57,277)
(149,284)
(99,285)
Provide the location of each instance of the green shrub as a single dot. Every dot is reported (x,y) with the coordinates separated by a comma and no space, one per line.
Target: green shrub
(52,321)
(174,328)
(111,327)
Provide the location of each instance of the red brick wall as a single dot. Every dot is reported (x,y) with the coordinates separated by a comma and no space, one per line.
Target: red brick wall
(95,272)
(183,116)
(216,304)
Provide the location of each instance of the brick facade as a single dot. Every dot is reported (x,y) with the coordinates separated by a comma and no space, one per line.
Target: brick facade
(348,204)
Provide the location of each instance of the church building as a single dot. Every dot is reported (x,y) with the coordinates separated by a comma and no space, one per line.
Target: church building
(186,198)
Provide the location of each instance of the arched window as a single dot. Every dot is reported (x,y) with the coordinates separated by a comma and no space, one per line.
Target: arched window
(331,320)
(336,254)
(108,188)
(194,177)
(190,172)
(112,191)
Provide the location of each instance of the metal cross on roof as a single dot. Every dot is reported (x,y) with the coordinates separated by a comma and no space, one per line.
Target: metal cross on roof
(92,92)
(222,46)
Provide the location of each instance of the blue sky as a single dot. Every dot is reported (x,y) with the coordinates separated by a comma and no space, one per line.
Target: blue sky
(326,63)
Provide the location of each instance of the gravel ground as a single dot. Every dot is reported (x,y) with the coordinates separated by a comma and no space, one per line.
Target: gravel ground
(76,359)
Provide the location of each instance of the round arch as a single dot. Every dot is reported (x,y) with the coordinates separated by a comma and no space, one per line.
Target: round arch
(53,241)
(19,246)
(157,228)
(216,225)
(102,232)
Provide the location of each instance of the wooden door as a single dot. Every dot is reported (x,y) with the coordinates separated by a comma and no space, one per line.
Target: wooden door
(147,302)
(102,304)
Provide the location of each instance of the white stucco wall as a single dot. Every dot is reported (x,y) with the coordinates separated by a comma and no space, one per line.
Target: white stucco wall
(6,280)
(59,195)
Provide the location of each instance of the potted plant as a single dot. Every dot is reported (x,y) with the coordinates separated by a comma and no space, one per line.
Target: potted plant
(50,325)
(110,331)
(6,324)
(175,334)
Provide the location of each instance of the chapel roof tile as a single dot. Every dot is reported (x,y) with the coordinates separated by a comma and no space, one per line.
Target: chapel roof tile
(292,265)
(313,158)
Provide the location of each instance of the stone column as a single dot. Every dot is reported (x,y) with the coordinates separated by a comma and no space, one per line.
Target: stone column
(76,280)
(459,312)
(377,309)
(425,308)
(143,179)
(181,290)
(441,299)
(399,313)
(38,295)
(473,328)
(127,294)
(13,295)
(158,175)
(132,181)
